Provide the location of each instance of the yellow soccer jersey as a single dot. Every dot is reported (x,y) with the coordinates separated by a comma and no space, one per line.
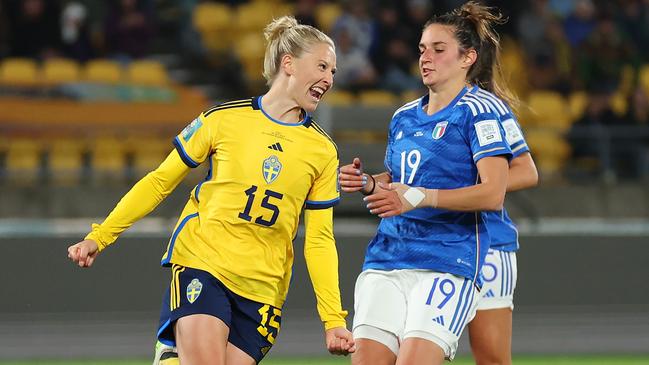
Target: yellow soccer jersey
(239,223)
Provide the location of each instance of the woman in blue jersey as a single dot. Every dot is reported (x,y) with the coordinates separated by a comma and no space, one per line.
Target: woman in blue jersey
(447,161)
(231,252)
(490,331)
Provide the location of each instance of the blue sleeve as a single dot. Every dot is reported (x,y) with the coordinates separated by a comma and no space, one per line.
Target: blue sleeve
(514,136)
(487,137)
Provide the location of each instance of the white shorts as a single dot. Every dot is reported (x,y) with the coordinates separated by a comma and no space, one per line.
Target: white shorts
(499,274)
(391,306)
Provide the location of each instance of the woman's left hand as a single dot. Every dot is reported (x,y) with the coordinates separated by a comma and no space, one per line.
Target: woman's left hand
(394,199)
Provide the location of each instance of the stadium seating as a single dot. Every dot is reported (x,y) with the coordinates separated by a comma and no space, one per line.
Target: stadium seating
(103,71)
(577,102)
(619,103)
(147,72)
(250,49)
(60,70)
(550,150)
(378,98)
(513,66)
(548,110)
(65,160)
(214,22)
(339,98)
(148,153)
(23,160)
(627,80)
(643,77)
(254,16)
(108,159)
(19,71)
(411,95)
(326,14)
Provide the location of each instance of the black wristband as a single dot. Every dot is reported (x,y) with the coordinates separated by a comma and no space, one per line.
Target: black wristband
(373,186)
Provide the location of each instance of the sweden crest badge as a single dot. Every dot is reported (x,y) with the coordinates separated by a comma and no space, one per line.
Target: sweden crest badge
(271,168)
(194,290)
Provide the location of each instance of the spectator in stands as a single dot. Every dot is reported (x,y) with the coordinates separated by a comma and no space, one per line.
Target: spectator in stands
(581,22)
(588,136)
(305,12)
(603,55)
(75,32)
(638,113)
(393,56)
(3,32)
(355,69)
(532,24)
(550,60)
(34,29)
(358,23)
(632,19)
(128,30)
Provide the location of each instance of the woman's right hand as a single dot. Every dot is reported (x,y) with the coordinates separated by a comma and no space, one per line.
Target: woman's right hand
(351,178)
(83,253)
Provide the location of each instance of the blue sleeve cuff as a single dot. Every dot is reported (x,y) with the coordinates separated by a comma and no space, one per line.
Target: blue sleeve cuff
(183,155)
(520,149)
(496,151)
(309,204)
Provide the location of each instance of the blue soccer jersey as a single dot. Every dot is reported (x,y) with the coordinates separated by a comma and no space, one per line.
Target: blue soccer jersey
(502,231)
(437,151)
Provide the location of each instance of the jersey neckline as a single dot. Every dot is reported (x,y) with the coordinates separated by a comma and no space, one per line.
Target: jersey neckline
(424,101)
(256,102)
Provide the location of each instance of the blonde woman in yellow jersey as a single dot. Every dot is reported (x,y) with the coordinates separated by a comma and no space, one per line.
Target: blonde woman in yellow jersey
(231,252)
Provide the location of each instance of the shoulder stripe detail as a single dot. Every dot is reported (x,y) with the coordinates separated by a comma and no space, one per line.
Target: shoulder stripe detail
(228,105)
(488,151)
(470,105)
(493,105)
(502,107)
(321,131)
(407,106)
(479,101)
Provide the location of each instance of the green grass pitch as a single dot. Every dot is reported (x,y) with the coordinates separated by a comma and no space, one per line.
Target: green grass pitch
(518,360)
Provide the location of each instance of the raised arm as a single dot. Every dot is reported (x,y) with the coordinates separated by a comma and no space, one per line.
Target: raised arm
(322,262)
(143,197)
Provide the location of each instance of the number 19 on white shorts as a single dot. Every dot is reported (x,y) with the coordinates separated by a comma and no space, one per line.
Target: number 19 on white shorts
(415,303)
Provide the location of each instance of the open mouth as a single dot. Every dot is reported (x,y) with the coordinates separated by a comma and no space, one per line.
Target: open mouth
(316,92)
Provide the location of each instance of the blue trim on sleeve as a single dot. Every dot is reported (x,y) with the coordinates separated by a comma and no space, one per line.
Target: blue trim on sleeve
(496,151)
(521,147)
(172,242)
(183,155)
(309,204)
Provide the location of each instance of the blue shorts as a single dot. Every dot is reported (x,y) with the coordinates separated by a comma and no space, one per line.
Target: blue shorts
(253,326)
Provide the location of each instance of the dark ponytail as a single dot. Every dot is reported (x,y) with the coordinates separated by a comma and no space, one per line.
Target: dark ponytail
(473,23)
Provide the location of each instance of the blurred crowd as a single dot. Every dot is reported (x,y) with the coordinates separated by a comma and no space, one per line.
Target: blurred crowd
(593,47)
(80,30)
